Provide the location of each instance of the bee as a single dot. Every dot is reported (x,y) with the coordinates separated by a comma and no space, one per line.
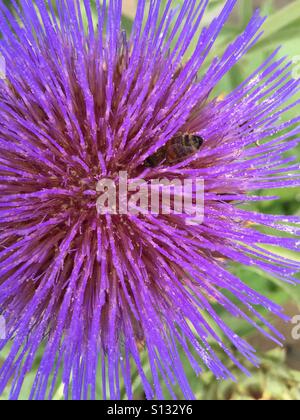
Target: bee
(175,150)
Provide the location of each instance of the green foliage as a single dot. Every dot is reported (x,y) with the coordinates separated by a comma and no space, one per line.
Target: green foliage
(272,381)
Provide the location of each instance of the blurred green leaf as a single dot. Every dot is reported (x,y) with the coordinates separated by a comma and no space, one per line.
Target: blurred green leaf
(278,21)
(127,23)
(246,8)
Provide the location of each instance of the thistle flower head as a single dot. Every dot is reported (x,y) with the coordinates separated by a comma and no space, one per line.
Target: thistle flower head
(82,101)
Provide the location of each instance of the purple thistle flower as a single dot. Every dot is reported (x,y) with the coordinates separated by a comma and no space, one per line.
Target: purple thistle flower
(96,289)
